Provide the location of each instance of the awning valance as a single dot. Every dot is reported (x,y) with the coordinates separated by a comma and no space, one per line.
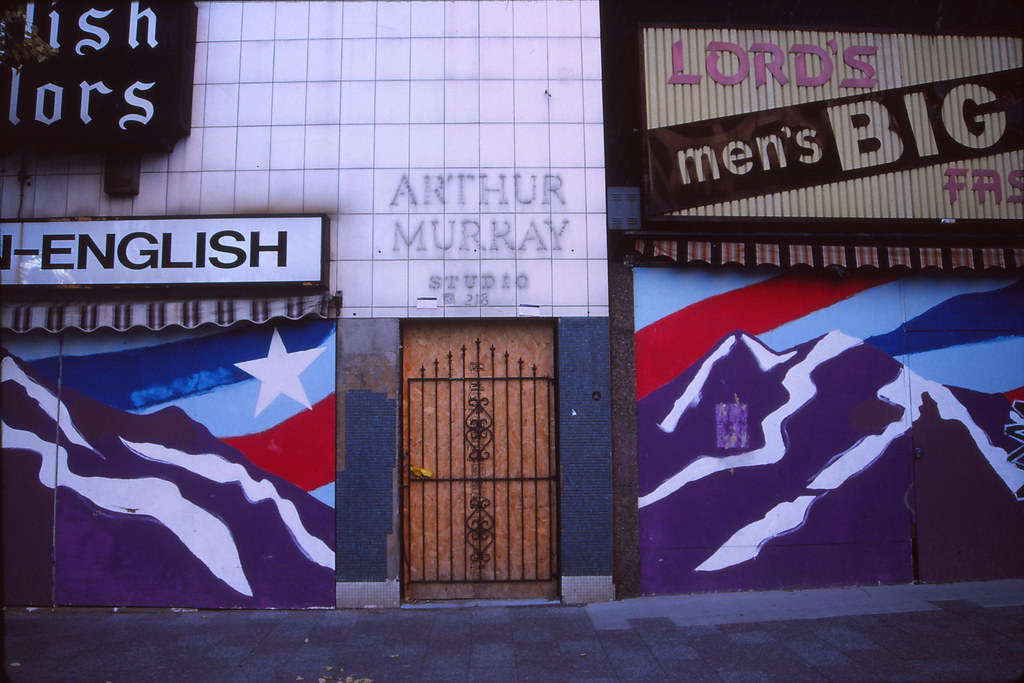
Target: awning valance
(822,256)
(156,315)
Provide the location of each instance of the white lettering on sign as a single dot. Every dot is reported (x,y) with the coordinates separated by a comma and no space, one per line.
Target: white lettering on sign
(864,134)
(101,36)
(120,79)
(145,105)
(49,97)
(803,144)
(87,90)
(959,122)
(133,26)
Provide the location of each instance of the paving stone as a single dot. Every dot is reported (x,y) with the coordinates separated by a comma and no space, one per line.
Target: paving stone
(630,656)
(844,638)
(751,637)
(818,653)
(579,648)
(668,647)
(951,639)
(445,668)
(697,671)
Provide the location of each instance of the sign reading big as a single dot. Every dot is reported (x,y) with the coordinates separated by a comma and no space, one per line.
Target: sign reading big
(121,80)
(812,125)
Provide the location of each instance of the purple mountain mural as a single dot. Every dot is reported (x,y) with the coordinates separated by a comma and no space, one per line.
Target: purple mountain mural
(149,509)
(764,469)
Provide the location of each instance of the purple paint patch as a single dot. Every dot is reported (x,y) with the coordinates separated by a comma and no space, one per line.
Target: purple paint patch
(731,425)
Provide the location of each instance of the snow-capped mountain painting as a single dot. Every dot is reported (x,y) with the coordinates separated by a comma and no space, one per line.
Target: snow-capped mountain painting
(766,465)
(144,505)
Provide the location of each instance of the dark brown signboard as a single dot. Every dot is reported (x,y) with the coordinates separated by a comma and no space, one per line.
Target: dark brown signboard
(122,79)
(762,152)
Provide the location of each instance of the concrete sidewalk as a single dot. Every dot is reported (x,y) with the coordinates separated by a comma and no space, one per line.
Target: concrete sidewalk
(951,632)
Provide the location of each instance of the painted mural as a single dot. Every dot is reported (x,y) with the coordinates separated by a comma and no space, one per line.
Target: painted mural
(187,468)
(802,429)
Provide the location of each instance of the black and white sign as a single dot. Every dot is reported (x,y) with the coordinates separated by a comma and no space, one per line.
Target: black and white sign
(122,78)
(165,251)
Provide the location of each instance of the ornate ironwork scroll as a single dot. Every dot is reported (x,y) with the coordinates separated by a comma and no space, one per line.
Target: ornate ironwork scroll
(479,431)
(479,531)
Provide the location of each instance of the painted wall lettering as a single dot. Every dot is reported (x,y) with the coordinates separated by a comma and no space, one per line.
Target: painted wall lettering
(518,190)
(491,288)
(487,234)
(498,214)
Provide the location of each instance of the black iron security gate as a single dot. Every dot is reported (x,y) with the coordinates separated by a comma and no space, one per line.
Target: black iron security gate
(480,481)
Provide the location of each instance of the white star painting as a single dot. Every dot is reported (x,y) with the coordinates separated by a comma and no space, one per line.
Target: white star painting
(279,372)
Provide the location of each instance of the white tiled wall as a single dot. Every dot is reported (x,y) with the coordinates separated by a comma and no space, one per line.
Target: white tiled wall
(362,111)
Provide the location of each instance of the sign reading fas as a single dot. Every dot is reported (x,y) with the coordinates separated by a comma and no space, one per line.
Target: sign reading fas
(121,80)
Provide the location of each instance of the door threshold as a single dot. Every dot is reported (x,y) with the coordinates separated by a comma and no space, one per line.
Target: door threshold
(477,602)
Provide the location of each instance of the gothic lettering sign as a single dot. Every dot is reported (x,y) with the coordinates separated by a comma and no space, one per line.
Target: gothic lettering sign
(164,251)
(844,125)
(122,78)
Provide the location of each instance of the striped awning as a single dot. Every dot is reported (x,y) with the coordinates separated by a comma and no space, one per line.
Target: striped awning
(823,256)
(156,315)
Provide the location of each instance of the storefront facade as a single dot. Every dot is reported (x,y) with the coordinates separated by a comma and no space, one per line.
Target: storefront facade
(817,251)
(340,338)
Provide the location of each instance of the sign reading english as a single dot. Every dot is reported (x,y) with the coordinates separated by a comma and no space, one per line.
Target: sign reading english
(165,251)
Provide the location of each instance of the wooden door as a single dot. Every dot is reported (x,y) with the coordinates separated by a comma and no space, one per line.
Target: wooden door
(480,477)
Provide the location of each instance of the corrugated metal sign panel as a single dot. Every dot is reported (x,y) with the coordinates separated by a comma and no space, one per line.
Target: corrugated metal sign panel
(828,124)
(157,315)
(823,256)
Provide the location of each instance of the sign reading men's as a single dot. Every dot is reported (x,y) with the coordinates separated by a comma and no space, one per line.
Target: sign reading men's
(122,78)
(833,125)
